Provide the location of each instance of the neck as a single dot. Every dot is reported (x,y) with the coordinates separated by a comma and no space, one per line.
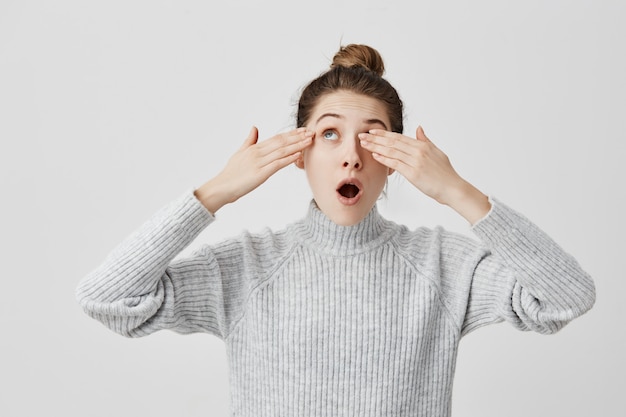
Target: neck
(317,230)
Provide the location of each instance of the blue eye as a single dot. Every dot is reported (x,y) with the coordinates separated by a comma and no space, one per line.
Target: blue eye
(330,135)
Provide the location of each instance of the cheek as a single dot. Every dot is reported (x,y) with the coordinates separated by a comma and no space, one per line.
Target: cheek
(377,166)
(315,156)
(313,164)
(381,173)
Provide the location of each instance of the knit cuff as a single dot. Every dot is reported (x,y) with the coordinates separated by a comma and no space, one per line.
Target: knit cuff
(185,214)
(500,223)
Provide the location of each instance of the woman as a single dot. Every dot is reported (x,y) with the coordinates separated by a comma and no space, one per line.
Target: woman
(342,312)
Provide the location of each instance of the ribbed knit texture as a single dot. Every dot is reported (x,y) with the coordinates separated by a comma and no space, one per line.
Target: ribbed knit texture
(327,320)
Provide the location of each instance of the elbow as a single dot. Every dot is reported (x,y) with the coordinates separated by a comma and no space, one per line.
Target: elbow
(580,300)
(549,316)
(127,317)
(552,321)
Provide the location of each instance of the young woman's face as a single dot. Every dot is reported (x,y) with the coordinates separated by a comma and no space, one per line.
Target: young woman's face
(345,179)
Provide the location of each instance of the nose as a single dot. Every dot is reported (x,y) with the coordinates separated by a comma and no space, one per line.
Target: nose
(352,157)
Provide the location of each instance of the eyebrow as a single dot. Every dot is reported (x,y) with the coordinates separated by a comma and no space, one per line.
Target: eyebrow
(338,116)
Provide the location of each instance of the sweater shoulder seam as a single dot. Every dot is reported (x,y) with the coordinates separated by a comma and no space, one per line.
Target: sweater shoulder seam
(408,259)
(263,281)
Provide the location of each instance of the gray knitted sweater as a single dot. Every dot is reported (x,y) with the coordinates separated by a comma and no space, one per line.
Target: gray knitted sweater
(327,320)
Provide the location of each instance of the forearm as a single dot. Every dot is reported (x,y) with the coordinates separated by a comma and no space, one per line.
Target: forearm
(134,268)
(536,284)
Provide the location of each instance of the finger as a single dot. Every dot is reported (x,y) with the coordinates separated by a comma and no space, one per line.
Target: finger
(285,143)
(277,164)
(392,163)
(387,152)
(420,135)
(392,139)
(288,149)
(252,138)
(395,145)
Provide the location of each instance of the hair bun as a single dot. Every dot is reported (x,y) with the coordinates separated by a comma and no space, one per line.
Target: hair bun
(363,56)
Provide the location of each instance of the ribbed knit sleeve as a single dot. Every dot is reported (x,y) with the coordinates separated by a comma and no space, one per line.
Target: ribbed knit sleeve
(138,290)
(524,277)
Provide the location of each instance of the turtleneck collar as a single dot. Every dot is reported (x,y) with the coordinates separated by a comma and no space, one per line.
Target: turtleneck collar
(318,231)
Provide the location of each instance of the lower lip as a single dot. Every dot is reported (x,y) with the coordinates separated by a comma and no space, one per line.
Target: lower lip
(349,201)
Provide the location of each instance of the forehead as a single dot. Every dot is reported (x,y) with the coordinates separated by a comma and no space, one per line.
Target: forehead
(352,106)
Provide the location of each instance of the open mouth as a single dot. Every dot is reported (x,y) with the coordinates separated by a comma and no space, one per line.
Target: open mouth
(348,190)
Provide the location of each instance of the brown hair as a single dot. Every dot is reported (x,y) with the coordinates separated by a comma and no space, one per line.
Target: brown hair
(355,68)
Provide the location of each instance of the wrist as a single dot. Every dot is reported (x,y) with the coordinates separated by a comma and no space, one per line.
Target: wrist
(468,201)
(213,195)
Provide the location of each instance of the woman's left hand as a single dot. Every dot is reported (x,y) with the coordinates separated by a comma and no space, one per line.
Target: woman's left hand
(427,168)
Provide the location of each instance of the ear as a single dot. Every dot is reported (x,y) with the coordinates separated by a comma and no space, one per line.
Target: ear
(299,162)
(390,171)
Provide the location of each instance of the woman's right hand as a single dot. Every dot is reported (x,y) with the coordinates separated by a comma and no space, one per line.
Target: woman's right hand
(252,165)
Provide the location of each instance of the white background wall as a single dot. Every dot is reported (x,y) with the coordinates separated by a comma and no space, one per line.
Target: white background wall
(109,110)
